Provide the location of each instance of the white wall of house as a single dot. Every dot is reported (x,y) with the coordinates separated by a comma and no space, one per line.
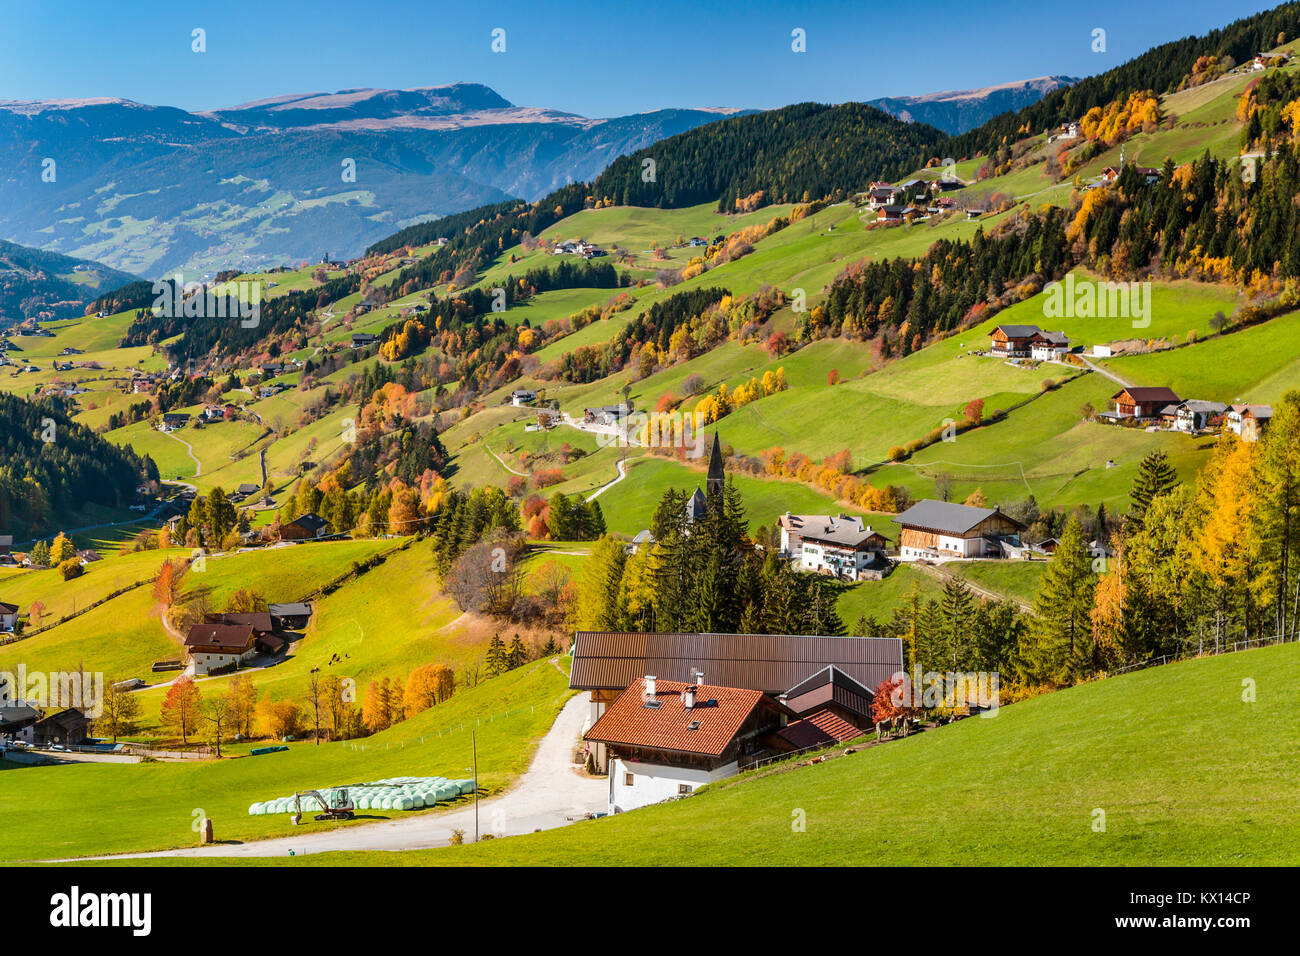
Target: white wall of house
(205,663)
(949,547)
(814,557)
(966,547)
(8,621)
(654,783)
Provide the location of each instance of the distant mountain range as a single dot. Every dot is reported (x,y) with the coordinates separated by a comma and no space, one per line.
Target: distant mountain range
(956,111)
(39,284)
(152,189)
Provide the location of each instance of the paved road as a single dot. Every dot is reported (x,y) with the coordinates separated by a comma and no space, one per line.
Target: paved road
(552,793)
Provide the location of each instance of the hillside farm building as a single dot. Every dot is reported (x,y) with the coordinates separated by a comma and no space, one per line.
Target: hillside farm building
(1192,415)
(288,617)
(214,646)
(1028,341)
(811,670)
(1048,346)
(1248,421)
(940,529)
(834,544)
(1141,403)
(665,738)
(67,727)
(305,528)
(17,721)
(1012,341)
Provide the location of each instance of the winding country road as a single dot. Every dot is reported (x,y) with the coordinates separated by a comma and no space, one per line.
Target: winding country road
(622,473)
(189,449)
(551,793)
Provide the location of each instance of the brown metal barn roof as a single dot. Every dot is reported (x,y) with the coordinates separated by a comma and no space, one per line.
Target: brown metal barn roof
(831,685)
(771,663)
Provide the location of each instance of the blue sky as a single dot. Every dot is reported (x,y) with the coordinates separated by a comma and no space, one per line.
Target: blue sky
(601,59)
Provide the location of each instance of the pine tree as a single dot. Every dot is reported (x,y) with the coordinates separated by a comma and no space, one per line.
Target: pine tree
(958,609)
(517,655)
(496,660)
(1155,477)
(1060,646)
(1278,515)
(1103,533)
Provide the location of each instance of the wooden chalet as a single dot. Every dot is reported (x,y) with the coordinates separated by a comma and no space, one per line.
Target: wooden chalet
(1143,402)
(941,529)
(305,528)
(1012,341)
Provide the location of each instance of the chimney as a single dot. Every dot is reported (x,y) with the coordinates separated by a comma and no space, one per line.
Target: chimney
(649,687)
(688,697)
(699,678)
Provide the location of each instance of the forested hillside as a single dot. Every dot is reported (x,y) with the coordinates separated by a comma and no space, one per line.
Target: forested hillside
(1162,69)
(796,154)
(52,468)
(45,285)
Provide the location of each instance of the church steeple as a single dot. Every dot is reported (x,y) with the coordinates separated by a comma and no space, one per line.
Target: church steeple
(716,479)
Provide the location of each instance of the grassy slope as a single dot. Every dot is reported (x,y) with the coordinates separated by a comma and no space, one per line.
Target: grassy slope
(1185,771)
(1256,364)
(79,809)
(385,623)
(124,636)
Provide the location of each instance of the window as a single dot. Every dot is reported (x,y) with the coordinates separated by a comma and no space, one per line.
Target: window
(628,779)
(684,788)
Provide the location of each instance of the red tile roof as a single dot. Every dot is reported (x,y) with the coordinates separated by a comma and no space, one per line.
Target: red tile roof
(820,729)
(718,714)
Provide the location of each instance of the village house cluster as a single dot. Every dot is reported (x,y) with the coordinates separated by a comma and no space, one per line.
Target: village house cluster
(225,642)
(1161,407)
(914,199)
(577,247)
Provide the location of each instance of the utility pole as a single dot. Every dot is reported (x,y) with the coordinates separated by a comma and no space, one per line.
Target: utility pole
(473,736)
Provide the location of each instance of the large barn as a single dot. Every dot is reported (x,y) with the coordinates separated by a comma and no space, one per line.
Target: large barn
(940,529)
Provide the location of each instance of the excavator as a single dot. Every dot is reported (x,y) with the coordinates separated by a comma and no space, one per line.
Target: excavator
(342,808)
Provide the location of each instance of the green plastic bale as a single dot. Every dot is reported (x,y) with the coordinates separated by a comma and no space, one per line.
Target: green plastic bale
(363,803)
(386,803)
(467,786)
(255,809)
(448,792)
(417,802)
(403,803)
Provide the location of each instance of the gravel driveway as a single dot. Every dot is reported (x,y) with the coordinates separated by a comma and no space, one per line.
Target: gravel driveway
(551,793)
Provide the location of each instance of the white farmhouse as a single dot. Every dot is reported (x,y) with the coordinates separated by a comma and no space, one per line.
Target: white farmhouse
(834,544)
(666,738)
